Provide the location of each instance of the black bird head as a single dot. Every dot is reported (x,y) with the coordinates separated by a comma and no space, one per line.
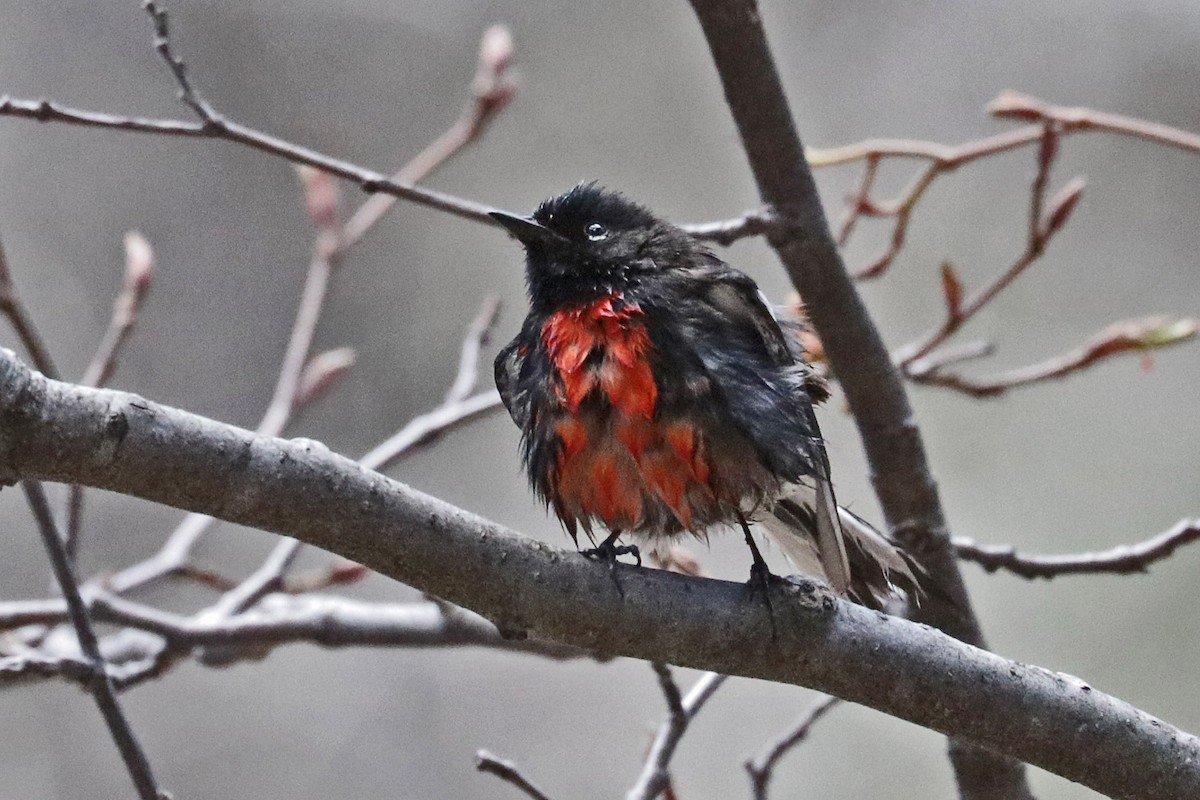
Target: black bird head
(590,241)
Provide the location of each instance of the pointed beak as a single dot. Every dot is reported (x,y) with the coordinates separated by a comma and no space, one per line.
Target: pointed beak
(527,229)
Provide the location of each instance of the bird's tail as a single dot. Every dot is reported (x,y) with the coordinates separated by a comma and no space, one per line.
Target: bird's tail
(821,538)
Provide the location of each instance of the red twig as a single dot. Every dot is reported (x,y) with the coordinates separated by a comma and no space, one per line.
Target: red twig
(1014,105)
(1129,336)
(1041,231)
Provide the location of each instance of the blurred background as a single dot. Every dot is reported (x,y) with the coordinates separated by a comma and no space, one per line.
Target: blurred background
(623,92)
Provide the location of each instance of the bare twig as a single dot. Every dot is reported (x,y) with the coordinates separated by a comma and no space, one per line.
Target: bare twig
(947,158)
(367,180)
(671,693)
(948,356)
(138,275)
(492,89)
(1014,105)
(98,681)
(758,222)
(175,553)
(680,712)
(213,125)
(12,307)
(1060,209)
(508,772)
(1138,335)
(860,202)
(1120,560)
(474,340)
(163,639)
(266,579)
(459,407)
(321,373)
(942,159)
(762,766)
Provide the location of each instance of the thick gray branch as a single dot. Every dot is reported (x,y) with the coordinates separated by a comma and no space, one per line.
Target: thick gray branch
(120,442)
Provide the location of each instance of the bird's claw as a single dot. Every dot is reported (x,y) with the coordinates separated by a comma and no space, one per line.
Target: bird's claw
(608,551)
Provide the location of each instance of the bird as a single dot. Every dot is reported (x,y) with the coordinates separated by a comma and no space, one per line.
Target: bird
(658,395)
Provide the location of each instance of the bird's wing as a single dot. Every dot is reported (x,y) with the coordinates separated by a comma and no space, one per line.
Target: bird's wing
(748,325)
(508,373)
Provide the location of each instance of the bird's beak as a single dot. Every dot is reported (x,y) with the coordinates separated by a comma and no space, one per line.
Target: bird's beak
(527,229)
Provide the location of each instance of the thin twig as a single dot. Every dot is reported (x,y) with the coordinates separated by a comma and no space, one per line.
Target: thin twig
(135,285)
(947,158)
(655,774)
(98,680)
(459,407)
(508,772)
(228,130)
(758,222)
(152,641)
(266,579)
(12,307)
(1043,226)
(950,355)
(1120,560)
(860,201)
(1129,336)
(1014,105)
(762,766)
(492,89)
(474,340)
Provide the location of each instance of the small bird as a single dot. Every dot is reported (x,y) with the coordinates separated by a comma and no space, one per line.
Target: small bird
(657,394)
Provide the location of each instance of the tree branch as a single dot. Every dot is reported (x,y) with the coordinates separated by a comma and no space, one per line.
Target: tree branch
(656,775)
(762,766)
(97,679)
(508,772)
(1128,336)
(12,307)
(873,386)
(220,640)
(1121,560)
(120,442)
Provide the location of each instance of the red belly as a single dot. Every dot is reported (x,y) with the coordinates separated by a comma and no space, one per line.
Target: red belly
(616,462)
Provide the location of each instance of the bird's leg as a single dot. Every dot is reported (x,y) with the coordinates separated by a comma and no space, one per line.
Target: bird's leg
(760,573)
(608,550)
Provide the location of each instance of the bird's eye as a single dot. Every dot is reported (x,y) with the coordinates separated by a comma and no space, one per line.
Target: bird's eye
(595,231)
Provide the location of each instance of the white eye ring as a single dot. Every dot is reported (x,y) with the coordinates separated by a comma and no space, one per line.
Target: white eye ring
(595,231)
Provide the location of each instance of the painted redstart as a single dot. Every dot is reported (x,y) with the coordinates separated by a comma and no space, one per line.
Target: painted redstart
(657,394)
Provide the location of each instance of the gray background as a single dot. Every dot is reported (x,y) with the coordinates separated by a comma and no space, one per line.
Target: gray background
(623,92)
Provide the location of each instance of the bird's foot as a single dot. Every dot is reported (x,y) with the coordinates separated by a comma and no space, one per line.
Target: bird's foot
(608,551)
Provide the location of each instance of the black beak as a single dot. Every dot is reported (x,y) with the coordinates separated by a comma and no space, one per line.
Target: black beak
(527,229)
